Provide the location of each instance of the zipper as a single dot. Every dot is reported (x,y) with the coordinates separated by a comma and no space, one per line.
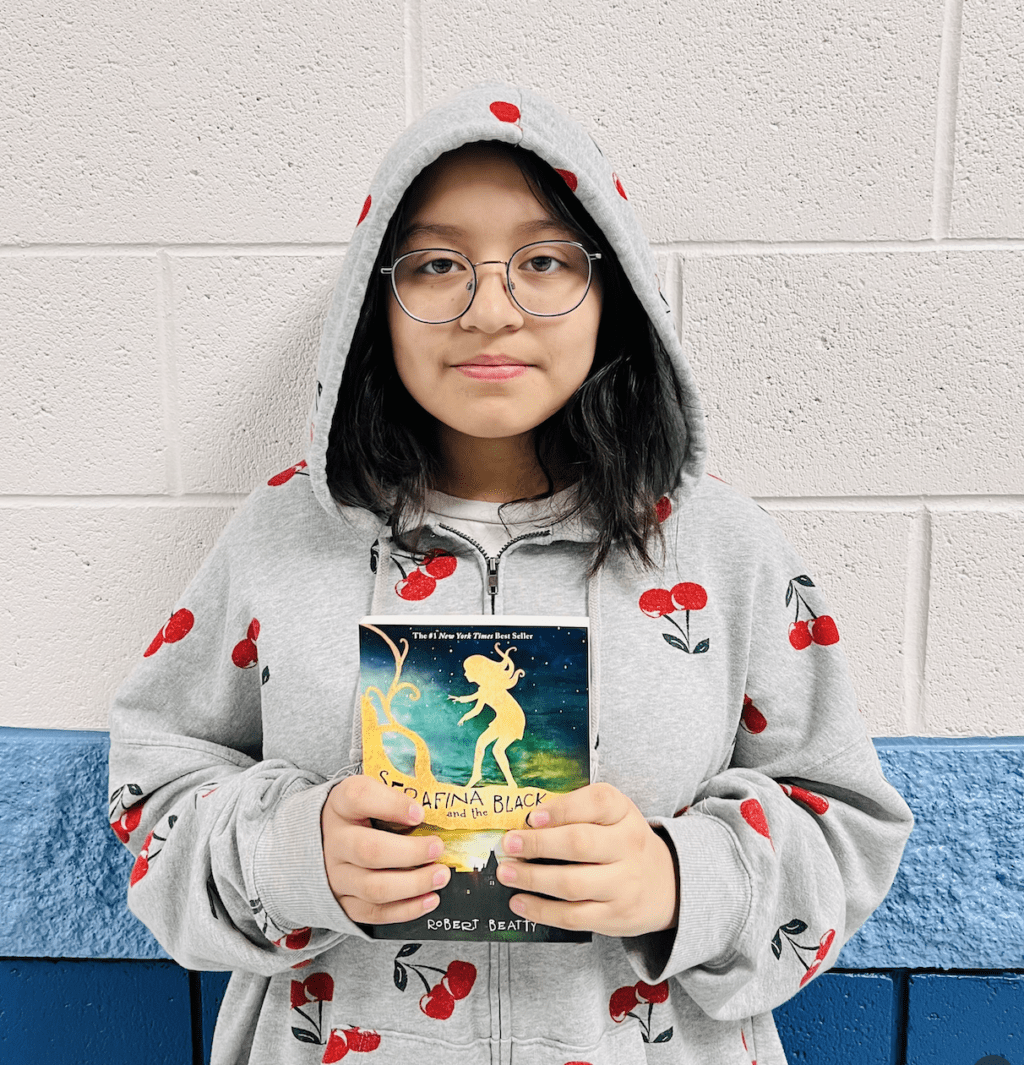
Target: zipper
(492,561)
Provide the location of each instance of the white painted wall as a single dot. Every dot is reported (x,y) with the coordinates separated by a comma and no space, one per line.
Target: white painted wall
(835,189)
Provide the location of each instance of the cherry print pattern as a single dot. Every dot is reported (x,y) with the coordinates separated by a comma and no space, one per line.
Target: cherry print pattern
(625,999)
(663,509)
(366,209)
(753,1061)
(455,983)
(504,111)
(317,988)
(421,581)
(751,718)
(244,653)
(124,810)
(569,178)
(150,852)
(178,626)
(295,939)
(797,927)
(753,813)
(618,186)
(661,602)
(817,803)
(286,475)
(819,629)
(342,1040)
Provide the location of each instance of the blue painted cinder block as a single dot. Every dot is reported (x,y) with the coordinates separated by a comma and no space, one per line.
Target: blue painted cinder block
(840,1019)
(212,988)
(957,903)
(965,1020)
(95,1012)
(958,898)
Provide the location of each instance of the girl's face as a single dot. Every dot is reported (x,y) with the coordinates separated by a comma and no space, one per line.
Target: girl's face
(477,202)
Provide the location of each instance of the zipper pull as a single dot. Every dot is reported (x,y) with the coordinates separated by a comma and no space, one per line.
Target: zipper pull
(492,577)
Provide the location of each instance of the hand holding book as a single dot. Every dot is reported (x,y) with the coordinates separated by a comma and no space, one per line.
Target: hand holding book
(622,880)
(377,876)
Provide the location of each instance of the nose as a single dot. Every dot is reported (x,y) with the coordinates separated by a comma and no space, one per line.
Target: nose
(492,308)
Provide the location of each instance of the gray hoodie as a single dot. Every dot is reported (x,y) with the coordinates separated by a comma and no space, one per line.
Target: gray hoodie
(721,705)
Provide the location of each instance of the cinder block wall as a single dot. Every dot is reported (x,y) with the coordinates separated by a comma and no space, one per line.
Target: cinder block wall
(834,189)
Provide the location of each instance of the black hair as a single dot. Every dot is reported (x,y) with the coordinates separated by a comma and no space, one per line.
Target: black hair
(620,439)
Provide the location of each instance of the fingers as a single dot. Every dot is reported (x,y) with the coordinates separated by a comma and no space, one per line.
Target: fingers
(573,883)
(359,798)
(599,804)
(389,897)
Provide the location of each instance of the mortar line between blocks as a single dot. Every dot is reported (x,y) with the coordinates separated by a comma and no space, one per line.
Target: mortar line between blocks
(169,374)
(945,118)
(413,60)
(915,623)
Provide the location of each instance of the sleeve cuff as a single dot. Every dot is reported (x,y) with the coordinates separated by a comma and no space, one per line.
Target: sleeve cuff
(289,871)
(714,900)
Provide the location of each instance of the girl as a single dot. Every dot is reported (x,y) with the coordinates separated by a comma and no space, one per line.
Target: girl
(504,423)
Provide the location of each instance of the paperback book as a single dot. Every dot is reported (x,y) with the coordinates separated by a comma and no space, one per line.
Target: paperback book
(477,719)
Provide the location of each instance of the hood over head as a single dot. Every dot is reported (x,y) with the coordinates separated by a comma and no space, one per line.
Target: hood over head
(493,112)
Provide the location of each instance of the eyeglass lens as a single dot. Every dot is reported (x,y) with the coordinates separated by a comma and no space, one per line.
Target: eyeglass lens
(436,285)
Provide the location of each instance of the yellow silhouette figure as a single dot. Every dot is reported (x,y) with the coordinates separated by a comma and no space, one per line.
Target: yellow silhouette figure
(493,680)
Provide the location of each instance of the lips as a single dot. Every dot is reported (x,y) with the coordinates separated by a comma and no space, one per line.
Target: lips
(488,367)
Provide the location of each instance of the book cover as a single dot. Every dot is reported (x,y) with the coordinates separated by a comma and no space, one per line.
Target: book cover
(477,719)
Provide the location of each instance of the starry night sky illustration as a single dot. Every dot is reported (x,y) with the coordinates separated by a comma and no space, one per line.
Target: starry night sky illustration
(554,751)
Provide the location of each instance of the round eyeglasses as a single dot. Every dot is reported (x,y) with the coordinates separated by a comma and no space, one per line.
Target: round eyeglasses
(546,279)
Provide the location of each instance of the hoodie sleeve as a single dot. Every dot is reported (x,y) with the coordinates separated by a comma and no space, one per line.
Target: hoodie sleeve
(784,854)
(229,870)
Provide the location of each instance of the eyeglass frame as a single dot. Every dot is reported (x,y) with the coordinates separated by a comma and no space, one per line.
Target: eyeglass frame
(509,287)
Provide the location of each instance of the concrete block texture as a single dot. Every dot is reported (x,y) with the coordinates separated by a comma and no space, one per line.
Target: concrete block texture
(83,591)
(82,403)
(246,337)
(865,374)
(727,121)
(975,652)
(988,174)
(965,1020)
(127,122)
(859,560)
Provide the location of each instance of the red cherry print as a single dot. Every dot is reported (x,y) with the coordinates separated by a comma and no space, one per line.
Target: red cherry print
(439,564)
(622,1001)
(298,994)
(663,508)
(437,1003)
(817,803)
(504,112)
(132,816)
(656,602)
(253,632)
(459,978)
(120,831)
(244,654)
(810,973)
(652,992)
(688,596)
(799,635)
(302,964)
(824,631)
(618,187)
(569,178)
(362,1039)
(337,1047)
(418,585)
(158,642)
(682,810)
(824,943)
(752,718)
(319,987)
(298,939)
(366,209)
(753,813)
(283,477)
(139,870)
(179,626)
